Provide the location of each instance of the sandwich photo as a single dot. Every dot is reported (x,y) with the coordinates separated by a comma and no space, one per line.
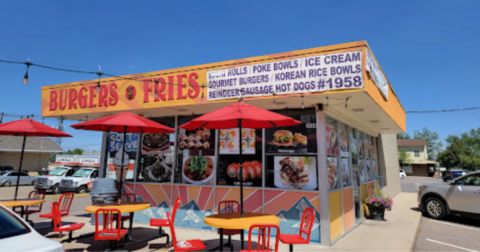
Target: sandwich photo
(282,137)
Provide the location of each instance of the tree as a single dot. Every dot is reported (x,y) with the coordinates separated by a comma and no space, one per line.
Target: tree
(404,158)
(434,146)
(403,136)
(462,152)
(76,151)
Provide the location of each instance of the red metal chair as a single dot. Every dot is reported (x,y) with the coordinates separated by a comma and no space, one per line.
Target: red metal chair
(64,202)
(188,245)
(264,232)
(165,222)
(109,231)
(37,195)
(128,197)
(57,222)
(305,229)
(229,206)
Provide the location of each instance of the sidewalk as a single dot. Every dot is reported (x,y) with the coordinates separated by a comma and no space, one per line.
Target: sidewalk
(396,234)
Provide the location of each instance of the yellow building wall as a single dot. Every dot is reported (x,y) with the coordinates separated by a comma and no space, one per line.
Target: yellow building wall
(336,222)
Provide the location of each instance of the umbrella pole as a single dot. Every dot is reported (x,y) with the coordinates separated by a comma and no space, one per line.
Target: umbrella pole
(20,166)
(241,166)
(123,159)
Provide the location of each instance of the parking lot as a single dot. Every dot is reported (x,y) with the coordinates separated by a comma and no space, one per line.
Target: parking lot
(452,234)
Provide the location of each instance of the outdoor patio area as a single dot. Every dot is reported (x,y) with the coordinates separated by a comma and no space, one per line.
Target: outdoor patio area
(402,223)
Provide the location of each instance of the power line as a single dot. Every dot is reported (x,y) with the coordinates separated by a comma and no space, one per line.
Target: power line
(443,110)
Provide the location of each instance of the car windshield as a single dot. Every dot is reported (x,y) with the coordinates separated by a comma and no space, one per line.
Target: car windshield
(82,173)
(10,225)
(57,171)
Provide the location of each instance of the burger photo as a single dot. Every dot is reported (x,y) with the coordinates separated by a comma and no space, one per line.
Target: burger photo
(282,137)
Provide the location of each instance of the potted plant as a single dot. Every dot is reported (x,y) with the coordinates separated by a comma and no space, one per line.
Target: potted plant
(377,205)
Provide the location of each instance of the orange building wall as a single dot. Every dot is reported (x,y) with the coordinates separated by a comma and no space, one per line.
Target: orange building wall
(348,209)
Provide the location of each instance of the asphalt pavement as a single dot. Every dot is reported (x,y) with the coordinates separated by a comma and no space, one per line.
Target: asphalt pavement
(454,233)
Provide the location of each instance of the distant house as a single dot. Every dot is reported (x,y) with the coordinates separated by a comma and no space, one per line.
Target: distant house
(37,152)
(416,150)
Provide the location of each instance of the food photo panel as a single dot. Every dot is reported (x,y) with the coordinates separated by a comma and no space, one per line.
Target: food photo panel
(198,170)
(345,169)
(295,172)
(157,168)
(231,174)
(197,142)
(156,143)
(332,172)
(343,141)
(332,138)
(229,141)
(295,139)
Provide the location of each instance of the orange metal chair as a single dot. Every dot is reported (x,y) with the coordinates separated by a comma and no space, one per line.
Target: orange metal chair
(229,206)
(188,245)
(37,195)
(57,222)
(109,231)
(305,229)
(165,222)
(64,202)
(263,241)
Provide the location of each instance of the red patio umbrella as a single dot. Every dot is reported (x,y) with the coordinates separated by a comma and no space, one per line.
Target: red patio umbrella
(241,115)
(123,122)
(28,127)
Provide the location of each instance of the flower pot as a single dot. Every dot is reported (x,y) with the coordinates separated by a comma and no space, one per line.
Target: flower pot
(376,212)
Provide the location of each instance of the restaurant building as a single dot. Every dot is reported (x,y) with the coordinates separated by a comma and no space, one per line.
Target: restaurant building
(345,146)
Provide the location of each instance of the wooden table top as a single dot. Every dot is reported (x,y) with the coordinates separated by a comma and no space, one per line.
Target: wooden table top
(125,207)
(234,221)
(21,202)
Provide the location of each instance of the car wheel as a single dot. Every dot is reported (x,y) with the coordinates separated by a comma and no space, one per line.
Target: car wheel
(56,189)
(82,189)
(435,208)
(444,180)
(7,183)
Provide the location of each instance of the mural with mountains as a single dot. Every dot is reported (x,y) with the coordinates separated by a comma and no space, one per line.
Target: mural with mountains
(290,219)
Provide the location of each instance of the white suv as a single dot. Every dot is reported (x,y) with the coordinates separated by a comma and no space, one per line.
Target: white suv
(80,182)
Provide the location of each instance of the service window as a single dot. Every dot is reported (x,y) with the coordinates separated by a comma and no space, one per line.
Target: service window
(196,155)
(157,155)
(291,160)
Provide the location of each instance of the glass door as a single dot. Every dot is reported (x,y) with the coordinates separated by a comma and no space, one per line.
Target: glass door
(354,138)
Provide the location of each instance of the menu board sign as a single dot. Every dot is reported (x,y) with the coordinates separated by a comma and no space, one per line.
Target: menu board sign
(229,141)
(295,172)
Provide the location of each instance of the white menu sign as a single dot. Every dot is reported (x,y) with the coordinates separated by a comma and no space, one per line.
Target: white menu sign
(316,73)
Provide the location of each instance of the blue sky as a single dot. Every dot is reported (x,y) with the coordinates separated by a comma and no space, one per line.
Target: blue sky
(428,49)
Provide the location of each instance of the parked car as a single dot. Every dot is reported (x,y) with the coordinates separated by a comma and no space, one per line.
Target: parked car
(4,168)
(51,182)
(451,174)
(10,178)
(17,235)
(461,196)
(402,174)
(80,182)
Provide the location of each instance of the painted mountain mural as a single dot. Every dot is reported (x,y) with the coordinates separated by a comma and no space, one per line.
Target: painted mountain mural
(290,219)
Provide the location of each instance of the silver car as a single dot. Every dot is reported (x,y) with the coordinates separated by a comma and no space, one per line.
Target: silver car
(461,196)
(10,178)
